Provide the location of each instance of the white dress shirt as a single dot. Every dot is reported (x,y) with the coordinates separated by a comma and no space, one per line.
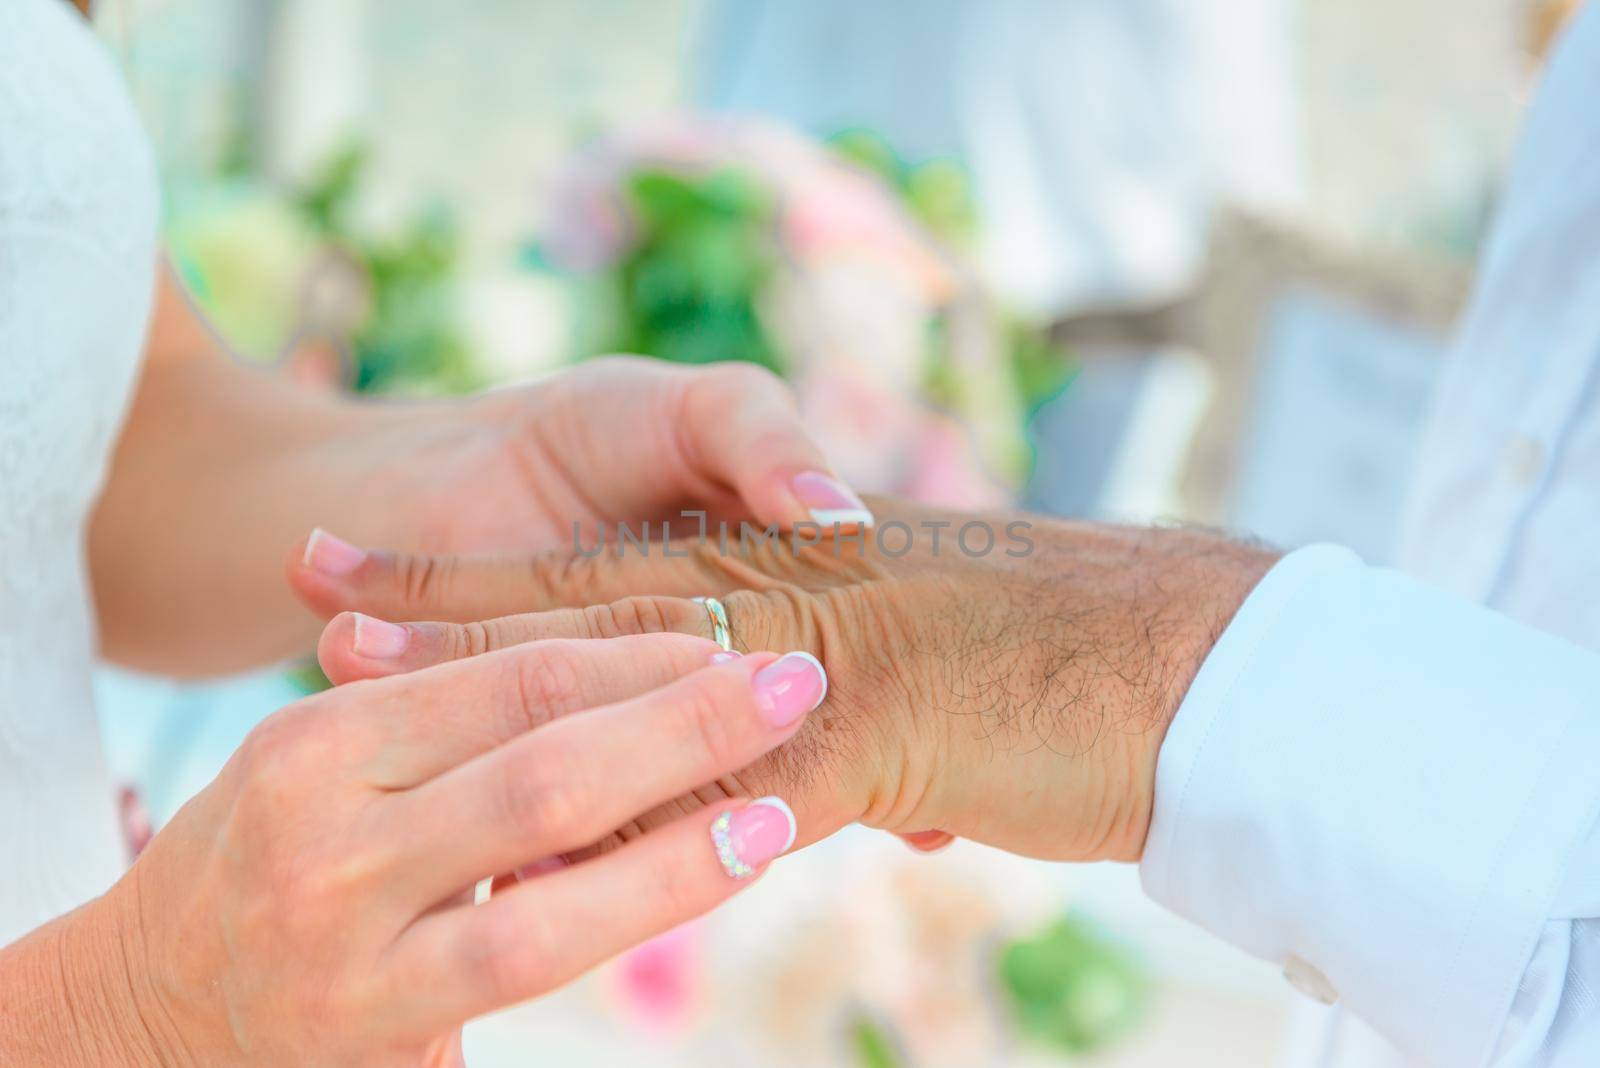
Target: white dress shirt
(1392,786)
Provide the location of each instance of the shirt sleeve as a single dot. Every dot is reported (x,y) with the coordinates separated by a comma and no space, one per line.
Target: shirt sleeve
(1400,789)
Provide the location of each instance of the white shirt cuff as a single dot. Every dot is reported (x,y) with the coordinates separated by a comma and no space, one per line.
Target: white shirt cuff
(1383,781)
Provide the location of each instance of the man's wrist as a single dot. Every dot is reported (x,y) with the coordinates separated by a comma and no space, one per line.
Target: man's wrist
(1205,583)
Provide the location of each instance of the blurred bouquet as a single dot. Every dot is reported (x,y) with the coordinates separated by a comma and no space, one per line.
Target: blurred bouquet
(866,955)
(292,277)
(707,239)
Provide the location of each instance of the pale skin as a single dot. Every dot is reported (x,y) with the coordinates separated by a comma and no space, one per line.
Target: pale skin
(309,906)
(218,468)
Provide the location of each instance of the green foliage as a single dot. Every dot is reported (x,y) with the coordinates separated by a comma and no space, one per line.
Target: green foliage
(411,339)
(325,199)
(689,288)
(307,676)
(936,192)
(1040,369)
(871,152)
(1072,988)
(872,1044)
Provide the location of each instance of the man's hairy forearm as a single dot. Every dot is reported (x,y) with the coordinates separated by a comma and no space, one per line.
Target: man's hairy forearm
(1016,698)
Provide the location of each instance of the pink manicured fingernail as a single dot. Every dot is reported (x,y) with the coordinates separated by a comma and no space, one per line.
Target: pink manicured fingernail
(540,867)
(789,687)
(331,555)
(749,837)
(723,657)
(377,639)
(830,501)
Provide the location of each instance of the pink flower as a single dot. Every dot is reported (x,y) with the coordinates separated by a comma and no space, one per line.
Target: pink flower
(659,983)
(135,819)
(841,211)
(947,470)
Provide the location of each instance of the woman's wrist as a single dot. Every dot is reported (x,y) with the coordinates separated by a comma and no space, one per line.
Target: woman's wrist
(71,990)
(220,471)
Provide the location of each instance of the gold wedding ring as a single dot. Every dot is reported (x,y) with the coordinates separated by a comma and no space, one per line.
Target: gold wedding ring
(719,622)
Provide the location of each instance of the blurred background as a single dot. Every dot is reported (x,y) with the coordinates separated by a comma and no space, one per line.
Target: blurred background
(1130,259)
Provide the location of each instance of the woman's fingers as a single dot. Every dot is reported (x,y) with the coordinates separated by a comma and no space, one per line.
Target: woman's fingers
(355,646)
(421,725)
(331,575)
(573,781)
(536,936)
(358,646)
(739,426)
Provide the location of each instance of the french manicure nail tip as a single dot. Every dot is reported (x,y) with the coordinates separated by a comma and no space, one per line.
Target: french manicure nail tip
(332,555)
(789,688)
(830,501)
(377,639)
(747,838)
(844,517)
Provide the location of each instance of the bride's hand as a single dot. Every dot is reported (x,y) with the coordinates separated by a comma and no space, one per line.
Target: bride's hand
(307,906)
(622,438)
(1002,679)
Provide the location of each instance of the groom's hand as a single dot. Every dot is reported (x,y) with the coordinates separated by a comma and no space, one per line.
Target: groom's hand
(1009,680)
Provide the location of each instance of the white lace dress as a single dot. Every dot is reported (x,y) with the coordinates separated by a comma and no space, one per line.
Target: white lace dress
(78,209)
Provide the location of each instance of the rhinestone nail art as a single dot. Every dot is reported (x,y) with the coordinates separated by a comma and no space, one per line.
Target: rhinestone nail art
(723,840)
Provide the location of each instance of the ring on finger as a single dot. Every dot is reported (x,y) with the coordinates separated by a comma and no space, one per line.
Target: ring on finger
(719,622)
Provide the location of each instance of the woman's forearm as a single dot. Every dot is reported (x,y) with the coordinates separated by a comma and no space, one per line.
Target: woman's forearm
(220,469)
(69,998)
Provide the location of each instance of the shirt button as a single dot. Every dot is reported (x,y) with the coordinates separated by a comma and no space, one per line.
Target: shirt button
(1524,460)
(1309,981)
